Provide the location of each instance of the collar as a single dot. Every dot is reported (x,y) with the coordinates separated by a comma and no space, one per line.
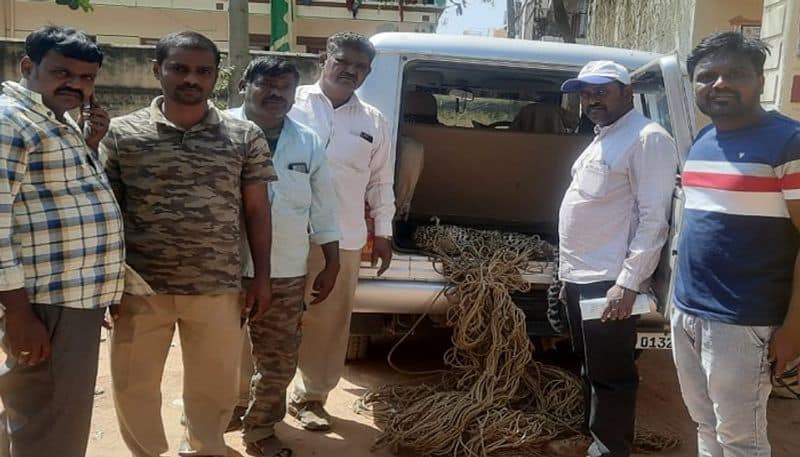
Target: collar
(316,89)
(619,123)
(33,101)
(289,125)
(213,117)
(239,113)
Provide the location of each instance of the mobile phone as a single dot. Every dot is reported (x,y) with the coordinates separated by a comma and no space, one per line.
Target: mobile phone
(85,111)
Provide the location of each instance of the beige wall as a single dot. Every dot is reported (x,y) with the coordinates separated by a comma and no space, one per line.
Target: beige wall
(652,25)
(127,24)
(126,81)
(717,16)
(666,25)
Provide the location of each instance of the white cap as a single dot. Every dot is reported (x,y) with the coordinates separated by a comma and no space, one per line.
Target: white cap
(598,72)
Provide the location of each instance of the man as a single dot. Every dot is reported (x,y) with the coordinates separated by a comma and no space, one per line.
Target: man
(61,246)
(613,223)
(738,277)
(362,165)
(185,174)
(302,198)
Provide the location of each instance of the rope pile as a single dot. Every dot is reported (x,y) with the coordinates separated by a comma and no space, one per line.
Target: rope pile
(494,400)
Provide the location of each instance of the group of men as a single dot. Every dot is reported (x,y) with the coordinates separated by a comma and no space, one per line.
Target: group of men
(736,311)
(182,215)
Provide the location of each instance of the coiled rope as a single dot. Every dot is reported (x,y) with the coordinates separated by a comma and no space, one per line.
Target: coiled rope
(494,400)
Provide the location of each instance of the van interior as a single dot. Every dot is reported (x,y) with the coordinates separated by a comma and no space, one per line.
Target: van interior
(495,146)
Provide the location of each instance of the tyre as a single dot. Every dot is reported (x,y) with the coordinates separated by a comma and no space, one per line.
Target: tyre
(357,347)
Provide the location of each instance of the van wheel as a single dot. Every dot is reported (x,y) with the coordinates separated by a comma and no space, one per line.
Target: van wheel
(357,347)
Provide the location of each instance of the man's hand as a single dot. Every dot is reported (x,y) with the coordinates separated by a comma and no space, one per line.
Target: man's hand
(620,303)
(783,349)
(257,298)
(381,249)
(111,317)
(98,119)
(323,283)
(26,337)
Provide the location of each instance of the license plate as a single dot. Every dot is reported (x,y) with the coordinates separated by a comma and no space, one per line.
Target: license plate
(653,340)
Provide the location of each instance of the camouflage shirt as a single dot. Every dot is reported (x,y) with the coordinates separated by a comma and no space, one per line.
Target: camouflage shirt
(180,194)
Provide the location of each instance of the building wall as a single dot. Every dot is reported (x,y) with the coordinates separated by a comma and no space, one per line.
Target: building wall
(130,21)
(653,25)
(781,30)
(126,82)
(667,25)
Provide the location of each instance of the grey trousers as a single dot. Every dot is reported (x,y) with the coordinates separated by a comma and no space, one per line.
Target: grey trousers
(47,408)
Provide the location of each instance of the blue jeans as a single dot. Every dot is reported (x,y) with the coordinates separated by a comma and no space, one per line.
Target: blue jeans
(725,379)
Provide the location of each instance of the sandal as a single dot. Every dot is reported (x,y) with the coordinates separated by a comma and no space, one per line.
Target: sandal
(268,447)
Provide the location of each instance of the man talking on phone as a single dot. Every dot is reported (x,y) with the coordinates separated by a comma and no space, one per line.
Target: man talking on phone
(61,246)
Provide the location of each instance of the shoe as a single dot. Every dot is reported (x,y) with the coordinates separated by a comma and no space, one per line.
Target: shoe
(311,414)
(575,446)
(236,419)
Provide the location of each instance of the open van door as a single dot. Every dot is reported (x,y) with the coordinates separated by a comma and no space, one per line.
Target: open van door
(663,93)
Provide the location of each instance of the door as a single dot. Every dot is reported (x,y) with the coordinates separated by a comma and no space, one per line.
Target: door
(662,92)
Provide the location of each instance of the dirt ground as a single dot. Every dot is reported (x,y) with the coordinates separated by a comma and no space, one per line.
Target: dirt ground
(660,407)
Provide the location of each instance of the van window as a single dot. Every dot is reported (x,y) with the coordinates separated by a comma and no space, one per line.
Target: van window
(483,112)
(650,95)
(490,97)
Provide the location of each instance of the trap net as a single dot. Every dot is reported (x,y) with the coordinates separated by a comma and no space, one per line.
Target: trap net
(494,399)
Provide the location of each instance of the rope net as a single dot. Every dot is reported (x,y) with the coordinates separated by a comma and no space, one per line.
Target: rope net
(494,399)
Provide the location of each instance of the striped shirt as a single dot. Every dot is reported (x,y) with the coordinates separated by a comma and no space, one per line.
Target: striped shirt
(60,227)
(738,244)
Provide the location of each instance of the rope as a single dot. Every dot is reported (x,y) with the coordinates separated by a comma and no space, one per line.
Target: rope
(494,400)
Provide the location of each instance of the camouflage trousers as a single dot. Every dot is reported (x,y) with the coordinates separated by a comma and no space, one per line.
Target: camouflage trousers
(275,339)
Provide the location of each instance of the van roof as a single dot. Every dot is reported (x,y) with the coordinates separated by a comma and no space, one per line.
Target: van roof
(504,49)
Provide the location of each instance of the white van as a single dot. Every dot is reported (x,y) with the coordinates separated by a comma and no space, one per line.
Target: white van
(499,139)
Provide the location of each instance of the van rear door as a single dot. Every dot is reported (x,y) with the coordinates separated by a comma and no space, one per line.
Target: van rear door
(663,93)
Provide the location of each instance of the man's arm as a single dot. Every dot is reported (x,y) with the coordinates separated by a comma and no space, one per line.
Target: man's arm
(652,173)
(26,336)
(324,222)
(785,345)
(109,154)
(380,196)
(257,171)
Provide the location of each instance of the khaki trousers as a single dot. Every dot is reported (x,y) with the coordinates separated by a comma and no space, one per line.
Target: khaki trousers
(326,328)
(209,327)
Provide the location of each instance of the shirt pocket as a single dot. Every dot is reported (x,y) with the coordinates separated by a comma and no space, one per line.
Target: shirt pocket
(593,179)
(292,191)
(351,151)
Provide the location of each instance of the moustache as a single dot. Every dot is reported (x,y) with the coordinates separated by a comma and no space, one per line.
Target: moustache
(591,107)
(724,92)
(275,99)
(76,92)
(347,76)
(189,86)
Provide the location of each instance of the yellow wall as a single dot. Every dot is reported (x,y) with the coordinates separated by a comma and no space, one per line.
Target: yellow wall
(716,15)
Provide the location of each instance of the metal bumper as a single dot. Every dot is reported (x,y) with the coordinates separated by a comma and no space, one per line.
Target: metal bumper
(399,297)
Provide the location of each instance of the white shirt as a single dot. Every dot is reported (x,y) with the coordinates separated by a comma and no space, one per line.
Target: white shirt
(302,201)
(357,142)
(614,217)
